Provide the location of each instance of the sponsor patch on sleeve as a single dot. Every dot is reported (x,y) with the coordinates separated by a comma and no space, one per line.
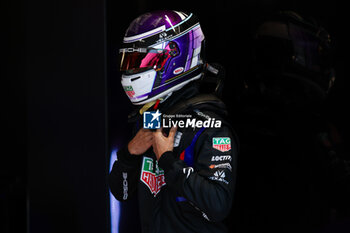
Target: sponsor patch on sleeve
(219,175)
(221,158)
(221,165)
(222,144)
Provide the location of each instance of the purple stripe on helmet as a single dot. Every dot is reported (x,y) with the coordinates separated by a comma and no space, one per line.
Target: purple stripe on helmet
(149,21)
(190,50)
(198,37)
(140,96)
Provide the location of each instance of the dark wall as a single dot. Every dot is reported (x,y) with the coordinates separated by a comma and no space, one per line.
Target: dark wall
(66,116)
(13,141)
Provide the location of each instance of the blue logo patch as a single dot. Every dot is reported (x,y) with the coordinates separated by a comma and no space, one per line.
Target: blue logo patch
(151,120)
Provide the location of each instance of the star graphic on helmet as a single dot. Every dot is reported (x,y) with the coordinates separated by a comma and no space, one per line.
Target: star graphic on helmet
(155,115)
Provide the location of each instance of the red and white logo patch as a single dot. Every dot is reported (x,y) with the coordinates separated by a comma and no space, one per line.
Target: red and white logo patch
(178,70)
(222,144)
(153,178)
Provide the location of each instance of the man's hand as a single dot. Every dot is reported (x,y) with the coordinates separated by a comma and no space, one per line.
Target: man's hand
(141,142)
(161,143)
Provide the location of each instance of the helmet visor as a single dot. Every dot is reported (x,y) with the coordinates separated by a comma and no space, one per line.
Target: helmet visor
(135,60)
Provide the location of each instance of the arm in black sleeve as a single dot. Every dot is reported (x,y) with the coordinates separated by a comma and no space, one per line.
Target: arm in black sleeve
(123,178)
(210,184)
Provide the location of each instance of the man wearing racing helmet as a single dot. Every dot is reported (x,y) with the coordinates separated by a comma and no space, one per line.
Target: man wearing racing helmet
(184,177)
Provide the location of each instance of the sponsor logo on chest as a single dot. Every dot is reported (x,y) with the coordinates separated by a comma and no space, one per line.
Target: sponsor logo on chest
(152,177)
(219,176)
(221,158)
(222,165)
(222,144)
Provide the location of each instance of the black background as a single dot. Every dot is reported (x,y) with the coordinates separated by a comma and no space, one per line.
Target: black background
(64,109)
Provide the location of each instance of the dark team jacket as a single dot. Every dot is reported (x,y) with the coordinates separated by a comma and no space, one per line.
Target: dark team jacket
(188,190)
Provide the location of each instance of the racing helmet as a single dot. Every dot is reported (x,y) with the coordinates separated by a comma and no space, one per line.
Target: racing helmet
(161,52)
(288,43)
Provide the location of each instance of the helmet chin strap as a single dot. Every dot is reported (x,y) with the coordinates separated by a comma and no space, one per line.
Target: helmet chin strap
(149,105)
(146,106)
(154,103)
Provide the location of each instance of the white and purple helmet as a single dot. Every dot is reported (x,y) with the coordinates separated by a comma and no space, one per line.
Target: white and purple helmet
(161,52)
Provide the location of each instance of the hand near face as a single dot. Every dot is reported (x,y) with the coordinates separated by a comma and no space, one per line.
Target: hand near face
(161,143)
(141,142)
